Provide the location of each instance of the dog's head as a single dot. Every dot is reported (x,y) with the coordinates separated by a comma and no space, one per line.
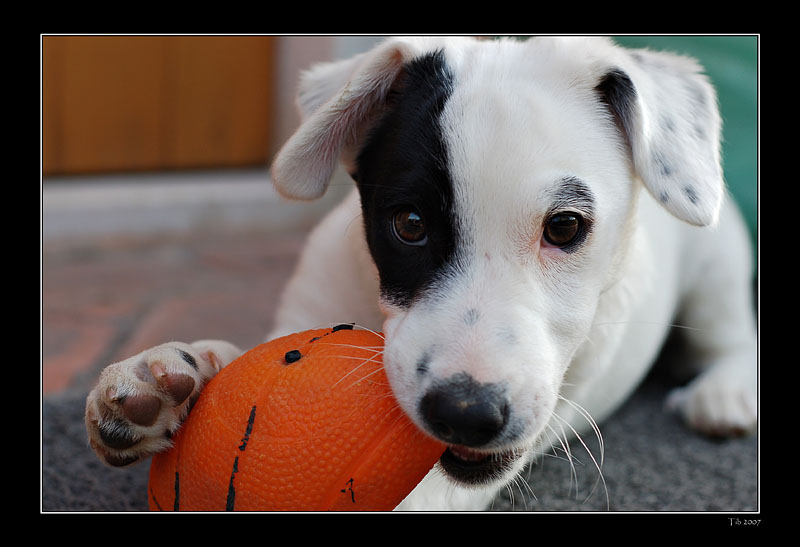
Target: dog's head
(498,182)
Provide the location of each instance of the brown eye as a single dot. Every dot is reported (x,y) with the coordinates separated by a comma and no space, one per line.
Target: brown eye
(562,229)
(408,227)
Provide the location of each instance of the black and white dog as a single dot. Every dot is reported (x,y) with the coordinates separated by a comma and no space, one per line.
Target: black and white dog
(530,218)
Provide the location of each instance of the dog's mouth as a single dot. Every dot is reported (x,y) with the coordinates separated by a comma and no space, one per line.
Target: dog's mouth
(472,467)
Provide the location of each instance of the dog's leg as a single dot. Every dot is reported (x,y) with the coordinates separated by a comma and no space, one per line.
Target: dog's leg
(437,493)
(335,280)
(139,402)
(722,399)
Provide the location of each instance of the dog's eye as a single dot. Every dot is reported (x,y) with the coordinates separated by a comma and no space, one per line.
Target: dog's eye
(562,229)
(408,227)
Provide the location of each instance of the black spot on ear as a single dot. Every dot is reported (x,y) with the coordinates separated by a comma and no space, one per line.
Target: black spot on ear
(664,166)
(617,92)
(700,131)
(697,94)
(691,193)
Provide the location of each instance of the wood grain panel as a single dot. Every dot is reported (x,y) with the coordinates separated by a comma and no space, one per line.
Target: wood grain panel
(113,103)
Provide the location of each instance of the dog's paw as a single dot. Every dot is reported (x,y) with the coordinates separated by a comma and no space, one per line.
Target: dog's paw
(138,403)
(723,402)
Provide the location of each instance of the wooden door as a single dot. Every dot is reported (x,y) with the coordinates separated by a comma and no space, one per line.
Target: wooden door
(121,103)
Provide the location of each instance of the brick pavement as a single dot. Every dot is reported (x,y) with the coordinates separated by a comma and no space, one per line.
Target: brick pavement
(104,299)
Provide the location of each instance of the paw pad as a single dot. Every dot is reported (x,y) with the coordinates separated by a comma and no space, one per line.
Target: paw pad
(141,409)
(177,386)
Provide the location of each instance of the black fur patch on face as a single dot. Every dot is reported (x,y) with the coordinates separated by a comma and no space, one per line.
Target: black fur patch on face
(403,167)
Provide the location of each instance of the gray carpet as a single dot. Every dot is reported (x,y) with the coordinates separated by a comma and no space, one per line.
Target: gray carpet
(652,464)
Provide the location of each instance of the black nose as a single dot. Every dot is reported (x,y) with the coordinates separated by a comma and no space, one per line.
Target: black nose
(463,411)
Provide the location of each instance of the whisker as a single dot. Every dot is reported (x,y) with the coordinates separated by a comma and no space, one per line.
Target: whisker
(350,224)
(572,459)
(374,359)
(555,449)
(551,446)
(376,333)
(510,492)
(597,466)
(529,488)
(555,456)
(377,370)
(378,349)
(363,361)
(519,482)
(652,323)
(583,412)
(568,453)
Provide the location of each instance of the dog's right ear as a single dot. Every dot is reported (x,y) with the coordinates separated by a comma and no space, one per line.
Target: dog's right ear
(338,101)
(667,112)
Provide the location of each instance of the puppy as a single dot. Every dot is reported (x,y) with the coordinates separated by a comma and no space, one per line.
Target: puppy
(530,218)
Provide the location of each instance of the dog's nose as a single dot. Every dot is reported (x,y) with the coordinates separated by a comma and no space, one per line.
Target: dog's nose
(463,411)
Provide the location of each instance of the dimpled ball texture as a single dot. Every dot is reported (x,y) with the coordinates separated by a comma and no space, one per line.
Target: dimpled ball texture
(306,422)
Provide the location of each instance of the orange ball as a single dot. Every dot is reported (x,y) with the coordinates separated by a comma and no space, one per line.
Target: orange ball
(306,422)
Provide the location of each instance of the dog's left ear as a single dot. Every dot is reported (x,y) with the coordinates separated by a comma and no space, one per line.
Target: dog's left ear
(339,102)
(667,111)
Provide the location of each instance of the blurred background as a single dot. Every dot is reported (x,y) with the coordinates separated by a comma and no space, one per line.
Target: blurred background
(158,219)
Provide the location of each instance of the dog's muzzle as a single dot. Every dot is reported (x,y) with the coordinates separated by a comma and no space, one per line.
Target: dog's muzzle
(469,416)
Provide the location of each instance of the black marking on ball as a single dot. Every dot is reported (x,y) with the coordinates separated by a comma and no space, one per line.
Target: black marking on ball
(250,420)
(337,328)
(177,504)
(292,356)
(230,502)
(155,500)
(350,488)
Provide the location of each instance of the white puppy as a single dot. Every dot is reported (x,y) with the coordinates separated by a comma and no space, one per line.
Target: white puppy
(530,219)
